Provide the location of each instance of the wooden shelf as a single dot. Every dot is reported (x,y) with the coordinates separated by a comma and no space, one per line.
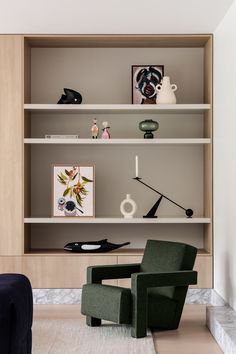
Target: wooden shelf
(163,141)
(119,252)
(84,220)
(117,41)
(60,252)
(118,108)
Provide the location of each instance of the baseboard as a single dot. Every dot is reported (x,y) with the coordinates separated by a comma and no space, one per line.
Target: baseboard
(57,296)
(73,296)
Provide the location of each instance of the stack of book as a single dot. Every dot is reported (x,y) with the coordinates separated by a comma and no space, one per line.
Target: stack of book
(53,136)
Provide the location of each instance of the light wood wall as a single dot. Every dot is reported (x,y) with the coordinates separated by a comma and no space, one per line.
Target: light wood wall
(11,149)
(70,271)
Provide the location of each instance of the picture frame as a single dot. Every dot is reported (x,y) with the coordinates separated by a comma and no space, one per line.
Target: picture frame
(73,191)
(144,80)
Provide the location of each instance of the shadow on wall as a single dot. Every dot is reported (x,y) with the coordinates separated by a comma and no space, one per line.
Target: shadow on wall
(227,279)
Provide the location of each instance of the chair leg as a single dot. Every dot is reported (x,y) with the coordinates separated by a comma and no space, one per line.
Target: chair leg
(139,318)
(93,321)
(139,313)
(138,330)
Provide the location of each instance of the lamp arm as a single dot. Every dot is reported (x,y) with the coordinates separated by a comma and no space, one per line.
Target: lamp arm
(164,196)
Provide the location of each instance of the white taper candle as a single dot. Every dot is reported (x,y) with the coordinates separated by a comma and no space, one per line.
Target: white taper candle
(136,166)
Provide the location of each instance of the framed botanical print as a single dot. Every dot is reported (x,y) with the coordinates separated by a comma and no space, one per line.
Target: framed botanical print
(145,78)
(73,191)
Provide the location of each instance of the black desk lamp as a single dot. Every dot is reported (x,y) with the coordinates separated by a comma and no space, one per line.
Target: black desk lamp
(152,211)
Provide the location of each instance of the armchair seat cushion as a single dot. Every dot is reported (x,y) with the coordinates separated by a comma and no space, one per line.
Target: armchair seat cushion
(107,302)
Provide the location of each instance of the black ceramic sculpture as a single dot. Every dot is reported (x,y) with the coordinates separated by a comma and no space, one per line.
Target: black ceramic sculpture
(93,246)
(70,97)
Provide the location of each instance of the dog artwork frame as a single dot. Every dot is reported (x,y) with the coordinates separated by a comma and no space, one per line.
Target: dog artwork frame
(145,78)
(73,191)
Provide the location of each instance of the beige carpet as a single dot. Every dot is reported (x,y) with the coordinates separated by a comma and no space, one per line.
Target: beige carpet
(69,336)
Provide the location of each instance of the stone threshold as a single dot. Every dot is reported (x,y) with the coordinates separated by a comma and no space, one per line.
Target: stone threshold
(221,321)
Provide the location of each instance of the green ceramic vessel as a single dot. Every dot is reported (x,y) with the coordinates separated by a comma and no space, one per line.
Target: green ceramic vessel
(148,126)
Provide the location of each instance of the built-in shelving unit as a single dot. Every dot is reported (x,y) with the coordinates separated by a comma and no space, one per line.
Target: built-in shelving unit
(178,161)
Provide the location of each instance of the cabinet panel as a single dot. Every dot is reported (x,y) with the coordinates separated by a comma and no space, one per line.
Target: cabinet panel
(11,137)
(61,271)
(10,264)
(203,266)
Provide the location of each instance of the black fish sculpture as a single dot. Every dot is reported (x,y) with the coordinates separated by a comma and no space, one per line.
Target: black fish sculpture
(70,97)
(93,246)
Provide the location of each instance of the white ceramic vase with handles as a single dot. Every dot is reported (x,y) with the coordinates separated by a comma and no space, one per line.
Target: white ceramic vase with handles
(165,92)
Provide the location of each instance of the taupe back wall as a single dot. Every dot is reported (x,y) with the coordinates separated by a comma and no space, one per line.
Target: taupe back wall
(168,168)
(103,75)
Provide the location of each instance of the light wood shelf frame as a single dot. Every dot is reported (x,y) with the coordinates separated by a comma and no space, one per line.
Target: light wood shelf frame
(15,64)
(142,41)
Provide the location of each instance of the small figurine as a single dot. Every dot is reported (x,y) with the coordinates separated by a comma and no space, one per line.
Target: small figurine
(105,134)
(70,97)
(94,129)
(93,246)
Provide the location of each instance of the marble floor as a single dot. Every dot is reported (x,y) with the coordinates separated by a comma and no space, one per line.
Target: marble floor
(191,337)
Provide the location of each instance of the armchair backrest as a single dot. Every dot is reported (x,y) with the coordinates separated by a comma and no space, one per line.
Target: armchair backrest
(166,256)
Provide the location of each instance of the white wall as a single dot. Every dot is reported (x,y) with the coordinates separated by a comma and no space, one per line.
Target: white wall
(111,16)
(225,157)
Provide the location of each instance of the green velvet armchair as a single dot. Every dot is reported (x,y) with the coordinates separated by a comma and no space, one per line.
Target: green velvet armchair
(158,289)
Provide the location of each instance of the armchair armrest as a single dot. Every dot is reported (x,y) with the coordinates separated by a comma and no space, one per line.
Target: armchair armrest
(150,280)
(139,285)
(95,274)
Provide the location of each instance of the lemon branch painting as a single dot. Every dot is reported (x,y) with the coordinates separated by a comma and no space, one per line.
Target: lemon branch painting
(73,192)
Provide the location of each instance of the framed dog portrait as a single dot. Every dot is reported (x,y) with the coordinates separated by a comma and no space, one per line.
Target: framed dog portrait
(145,78)
(73,191)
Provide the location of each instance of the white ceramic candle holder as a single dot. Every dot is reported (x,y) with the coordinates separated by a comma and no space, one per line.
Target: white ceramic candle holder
(128,200)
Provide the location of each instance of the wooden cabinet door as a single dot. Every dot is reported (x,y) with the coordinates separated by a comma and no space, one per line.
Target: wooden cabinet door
(62,271)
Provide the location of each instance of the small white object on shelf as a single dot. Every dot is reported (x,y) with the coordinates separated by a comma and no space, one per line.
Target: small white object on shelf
(128,200)
(58,136)
(136,166)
